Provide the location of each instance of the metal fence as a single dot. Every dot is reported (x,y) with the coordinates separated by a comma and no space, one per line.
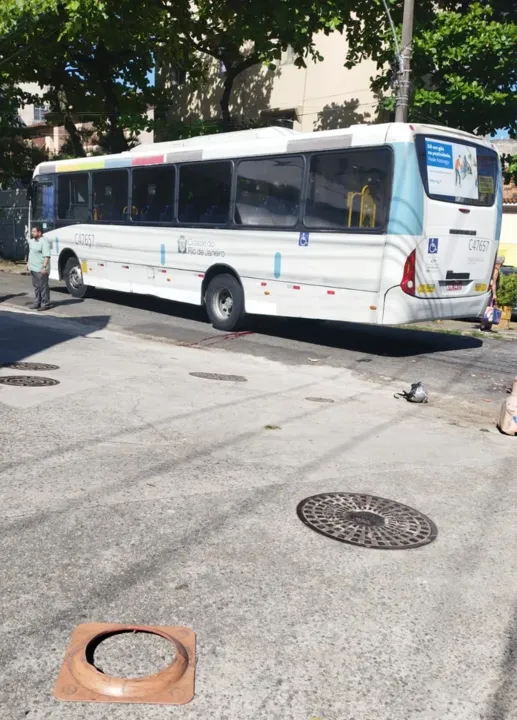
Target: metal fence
(14,224)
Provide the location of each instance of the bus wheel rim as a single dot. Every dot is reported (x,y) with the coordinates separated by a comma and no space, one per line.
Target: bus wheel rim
(223,303)
(76,277)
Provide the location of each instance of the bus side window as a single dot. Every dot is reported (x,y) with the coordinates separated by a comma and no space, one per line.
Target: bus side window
(110,195)
(153,194)
(43,202)
(204,193)
(269,191)
(349,189)
(73,203)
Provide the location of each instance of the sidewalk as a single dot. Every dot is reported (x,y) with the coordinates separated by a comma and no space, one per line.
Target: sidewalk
(466,327)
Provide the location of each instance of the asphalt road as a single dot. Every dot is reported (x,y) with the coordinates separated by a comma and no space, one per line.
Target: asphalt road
(460,366)
(135,492)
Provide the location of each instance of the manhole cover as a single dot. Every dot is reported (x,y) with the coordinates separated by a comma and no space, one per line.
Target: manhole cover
(218,376)
(319,399)
(30,366)
(366,521)
(27,381)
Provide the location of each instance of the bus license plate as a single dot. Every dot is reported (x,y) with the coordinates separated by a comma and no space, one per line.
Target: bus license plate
(454,287)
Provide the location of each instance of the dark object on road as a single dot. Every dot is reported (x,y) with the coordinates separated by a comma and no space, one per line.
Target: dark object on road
(80,681)
(218,376)
(417,394)
(366,521)
(28,366)
(27,381)
(319,399)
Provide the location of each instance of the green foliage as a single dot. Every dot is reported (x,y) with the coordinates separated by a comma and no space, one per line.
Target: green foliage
(509,164)
(464,63)
(507,290)
(17,156)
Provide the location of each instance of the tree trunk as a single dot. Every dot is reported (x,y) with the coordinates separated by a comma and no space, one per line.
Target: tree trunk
(225,100)
(76,141)
(114,140)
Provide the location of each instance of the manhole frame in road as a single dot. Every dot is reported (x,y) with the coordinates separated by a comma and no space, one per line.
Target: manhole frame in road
(30,367)
(218,376)
(27,381)
(368,521)
(80,681)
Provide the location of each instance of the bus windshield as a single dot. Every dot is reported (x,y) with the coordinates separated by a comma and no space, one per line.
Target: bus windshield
(457,172)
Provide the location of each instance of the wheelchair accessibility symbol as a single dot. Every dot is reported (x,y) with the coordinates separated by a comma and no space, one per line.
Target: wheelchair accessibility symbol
(303,240)
(432,246)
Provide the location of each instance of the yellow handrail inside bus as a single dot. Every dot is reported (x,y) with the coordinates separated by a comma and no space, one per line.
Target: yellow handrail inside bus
(367,208)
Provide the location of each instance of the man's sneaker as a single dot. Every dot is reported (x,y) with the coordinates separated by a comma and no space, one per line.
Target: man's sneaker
(43,307)
(34,306)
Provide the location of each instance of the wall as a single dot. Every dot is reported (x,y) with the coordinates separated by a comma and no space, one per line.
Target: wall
(324,96)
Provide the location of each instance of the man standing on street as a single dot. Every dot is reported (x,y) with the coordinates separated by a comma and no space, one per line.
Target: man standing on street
(39,267)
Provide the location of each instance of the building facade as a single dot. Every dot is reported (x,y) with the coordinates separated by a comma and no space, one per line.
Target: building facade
(322,96)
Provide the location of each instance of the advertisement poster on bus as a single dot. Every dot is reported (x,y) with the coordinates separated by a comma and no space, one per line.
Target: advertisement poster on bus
(451,169)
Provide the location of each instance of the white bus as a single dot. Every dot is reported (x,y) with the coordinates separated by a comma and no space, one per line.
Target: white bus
(385,224)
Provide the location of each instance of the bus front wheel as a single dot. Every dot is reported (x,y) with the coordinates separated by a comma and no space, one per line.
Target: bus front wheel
(225,303)
(73,277)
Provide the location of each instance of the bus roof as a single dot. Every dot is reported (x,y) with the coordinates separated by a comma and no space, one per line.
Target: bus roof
(260,141)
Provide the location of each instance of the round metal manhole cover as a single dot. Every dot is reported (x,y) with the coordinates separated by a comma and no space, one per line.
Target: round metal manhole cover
(367,521)
(27,381)
(320,399)
(28,367)
(218,376)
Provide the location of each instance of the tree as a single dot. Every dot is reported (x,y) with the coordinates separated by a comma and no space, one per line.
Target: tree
(464,63)
(17,156)
(240,34)
(91,61)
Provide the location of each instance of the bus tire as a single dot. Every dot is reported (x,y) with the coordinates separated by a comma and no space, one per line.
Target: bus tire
(225,303)
(73,277)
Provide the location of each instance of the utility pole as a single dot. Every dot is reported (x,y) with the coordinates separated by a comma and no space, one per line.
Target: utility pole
(401,108)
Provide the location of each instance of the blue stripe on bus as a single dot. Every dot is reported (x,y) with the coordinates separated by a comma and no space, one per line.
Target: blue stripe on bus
(407,199)
(162,254)
(111,163)
(277,269)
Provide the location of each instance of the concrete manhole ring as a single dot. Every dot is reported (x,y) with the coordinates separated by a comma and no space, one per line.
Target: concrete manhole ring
(28,366)
(218,376)
(366,521)
(27,381)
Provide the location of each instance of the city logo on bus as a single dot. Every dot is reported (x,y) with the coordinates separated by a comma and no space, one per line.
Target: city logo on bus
(189,246)
(182,244)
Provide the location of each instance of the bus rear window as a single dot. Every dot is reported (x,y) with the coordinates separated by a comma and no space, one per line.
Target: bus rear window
(457,172)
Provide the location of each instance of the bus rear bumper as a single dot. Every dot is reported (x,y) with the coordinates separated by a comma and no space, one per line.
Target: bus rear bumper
(400,308)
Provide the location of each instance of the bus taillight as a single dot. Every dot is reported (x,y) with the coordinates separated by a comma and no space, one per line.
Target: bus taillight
(408,278)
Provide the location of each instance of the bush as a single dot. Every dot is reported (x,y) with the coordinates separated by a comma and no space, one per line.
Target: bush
(507,291)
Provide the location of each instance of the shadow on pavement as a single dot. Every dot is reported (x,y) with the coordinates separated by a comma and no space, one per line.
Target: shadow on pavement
(501,706)
(372,339)
(26,335)
(5,298)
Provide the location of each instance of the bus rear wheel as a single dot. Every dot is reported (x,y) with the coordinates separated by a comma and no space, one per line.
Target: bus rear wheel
(73,277)
(225,303)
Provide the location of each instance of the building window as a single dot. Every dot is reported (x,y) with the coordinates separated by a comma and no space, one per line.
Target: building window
(280,118)
(349,190)
(39,113)
(268,192)
(153,194)
(204,193)
(110,195)
(178,77)
(288,56)
(72,203)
